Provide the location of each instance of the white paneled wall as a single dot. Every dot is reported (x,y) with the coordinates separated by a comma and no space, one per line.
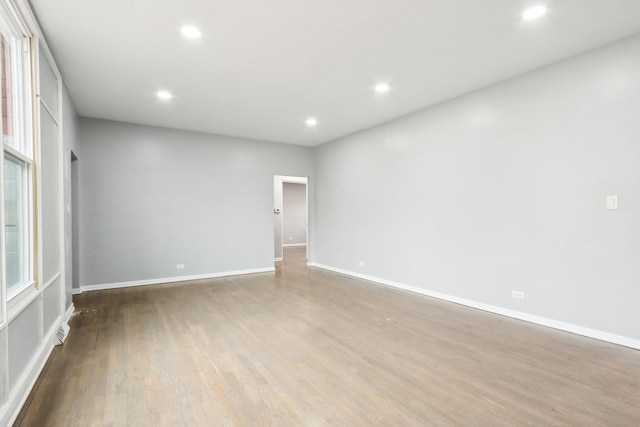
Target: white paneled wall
(28,335)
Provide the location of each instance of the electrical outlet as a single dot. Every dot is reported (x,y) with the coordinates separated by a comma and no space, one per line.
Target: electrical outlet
(290,238)
(180,267)
(517,294)
(361,263)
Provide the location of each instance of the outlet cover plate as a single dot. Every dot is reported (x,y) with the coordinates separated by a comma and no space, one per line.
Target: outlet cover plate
(517,294)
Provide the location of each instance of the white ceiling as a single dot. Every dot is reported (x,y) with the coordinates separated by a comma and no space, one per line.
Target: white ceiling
(262,67)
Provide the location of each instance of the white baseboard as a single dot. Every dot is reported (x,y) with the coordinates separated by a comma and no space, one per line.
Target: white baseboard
(290,245)
(104,286)
(18,396)
(278,259)
(69,313)
(567,327)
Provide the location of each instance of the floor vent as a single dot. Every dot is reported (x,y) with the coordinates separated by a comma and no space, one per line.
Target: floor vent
(62,333)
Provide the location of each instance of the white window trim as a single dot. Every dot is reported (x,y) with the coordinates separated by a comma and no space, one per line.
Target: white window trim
(17,154)
(24,293)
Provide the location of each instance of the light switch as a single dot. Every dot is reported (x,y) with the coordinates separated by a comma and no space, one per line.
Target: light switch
(612,202)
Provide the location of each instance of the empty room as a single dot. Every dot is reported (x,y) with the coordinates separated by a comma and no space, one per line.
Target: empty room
(297,213)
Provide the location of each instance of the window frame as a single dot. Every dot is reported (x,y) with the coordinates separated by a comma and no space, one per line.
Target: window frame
(23,150)
(26,235)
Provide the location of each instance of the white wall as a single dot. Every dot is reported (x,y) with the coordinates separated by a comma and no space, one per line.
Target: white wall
(294,213)
(152,198)
(499,190)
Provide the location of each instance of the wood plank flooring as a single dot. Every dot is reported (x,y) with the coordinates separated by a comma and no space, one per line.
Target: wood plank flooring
(306,347)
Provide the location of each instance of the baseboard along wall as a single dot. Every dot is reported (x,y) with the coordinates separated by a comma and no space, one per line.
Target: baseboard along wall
(543,321)
(89,288)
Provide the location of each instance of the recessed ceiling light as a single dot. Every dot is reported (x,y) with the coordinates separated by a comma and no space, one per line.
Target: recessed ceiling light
(164,95)
(382,88)
(534,12)
(191,32)
(311,121)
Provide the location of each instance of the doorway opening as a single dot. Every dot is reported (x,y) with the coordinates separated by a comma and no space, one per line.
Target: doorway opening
(290,216)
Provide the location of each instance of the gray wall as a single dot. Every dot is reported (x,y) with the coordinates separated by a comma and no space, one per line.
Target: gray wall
(294,213)
(50,192)
(153,198)
(70,143)
(503,189)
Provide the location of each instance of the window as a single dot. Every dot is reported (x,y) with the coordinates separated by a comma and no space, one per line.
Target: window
(14,223)
(17,159)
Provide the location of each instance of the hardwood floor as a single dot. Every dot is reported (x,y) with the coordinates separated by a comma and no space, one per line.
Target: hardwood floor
(306,347)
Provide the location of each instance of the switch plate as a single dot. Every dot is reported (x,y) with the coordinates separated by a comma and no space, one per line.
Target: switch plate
(612,202)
